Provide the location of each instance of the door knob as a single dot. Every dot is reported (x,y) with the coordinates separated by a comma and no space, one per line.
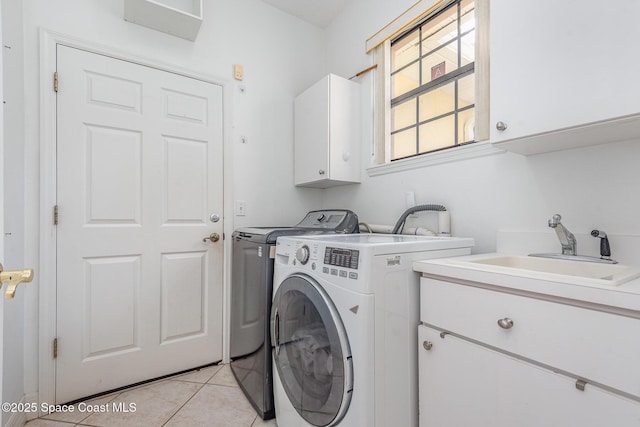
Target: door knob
(14,278)
(214,237)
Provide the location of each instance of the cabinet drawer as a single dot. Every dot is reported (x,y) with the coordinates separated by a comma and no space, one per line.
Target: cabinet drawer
(464,384)
(596,346)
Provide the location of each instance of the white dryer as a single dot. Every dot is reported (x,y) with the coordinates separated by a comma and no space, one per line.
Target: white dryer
(344,327)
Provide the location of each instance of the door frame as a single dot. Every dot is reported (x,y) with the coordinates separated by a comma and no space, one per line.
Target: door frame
(48,160)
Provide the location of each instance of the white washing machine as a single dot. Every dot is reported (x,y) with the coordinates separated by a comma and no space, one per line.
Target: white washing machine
(344,327)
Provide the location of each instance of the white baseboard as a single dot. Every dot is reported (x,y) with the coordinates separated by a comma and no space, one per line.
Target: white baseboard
(18,419)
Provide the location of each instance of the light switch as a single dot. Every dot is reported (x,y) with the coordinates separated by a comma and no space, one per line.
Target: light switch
(238,72)
(241,208)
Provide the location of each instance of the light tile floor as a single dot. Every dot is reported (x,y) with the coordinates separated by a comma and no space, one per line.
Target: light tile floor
(209,397)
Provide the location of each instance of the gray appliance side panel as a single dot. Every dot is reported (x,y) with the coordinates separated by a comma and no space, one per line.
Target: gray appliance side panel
(251,284)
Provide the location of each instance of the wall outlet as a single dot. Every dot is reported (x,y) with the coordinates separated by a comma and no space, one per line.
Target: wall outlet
(241,207)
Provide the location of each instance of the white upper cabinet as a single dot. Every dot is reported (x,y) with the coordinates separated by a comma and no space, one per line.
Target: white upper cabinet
(327,134)
(181,18)
(564,74)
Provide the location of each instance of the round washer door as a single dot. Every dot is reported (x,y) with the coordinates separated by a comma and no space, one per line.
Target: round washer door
(311,351)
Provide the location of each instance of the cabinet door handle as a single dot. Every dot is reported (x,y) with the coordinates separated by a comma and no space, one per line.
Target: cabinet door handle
(428,345)
(321,172)
(501,126)
(505,323)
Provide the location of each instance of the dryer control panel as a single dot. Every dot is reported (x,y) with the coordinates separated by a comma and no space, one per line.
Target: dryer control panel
(337,220)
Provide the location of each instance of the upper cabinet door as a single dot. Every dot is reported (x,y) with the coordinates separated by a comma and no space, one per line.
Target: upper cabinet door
(327,134)
(563,65)
(311,109)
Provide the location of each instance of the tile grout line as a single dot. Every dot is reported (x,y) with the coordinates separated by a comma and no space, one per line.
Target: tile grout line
(188,400)
(75,423)
(177,410)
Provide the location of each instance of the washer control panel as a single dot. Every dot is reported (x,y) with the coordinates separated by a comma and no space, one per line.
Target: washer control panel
(347,258)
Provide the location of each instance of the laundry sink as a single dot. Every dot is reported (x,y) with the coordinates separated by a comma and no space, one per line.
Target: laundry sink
(558,270)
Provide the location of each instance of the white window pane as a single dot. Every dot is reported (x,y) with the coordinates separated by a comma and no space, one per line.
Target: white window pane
(468,48)
(466,91)
(437,134)
(405,80)
(437,102)
(403,115)
(403,144)
(440,30)
(467,16)
(466,126)
(405,51)
(440,63)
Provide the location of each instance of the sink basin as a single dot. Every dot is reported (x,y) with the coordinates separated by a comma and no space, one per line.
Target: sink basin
(558,270)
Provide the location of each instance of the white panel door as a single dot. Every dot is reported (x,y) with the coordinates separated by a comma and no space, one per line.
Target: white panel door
(139,172)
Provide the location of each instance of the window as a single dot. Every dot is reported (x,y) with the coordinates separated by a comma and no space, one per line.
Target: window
(432,83)
(432,93)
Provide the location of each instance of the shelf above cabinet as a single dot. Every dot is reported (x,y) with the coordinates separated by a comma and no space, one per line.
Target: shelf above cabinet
(181,18)
(614,130)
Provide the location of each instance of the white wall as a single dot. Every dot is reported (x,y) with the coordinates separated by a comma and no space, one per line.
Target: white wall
(2,201)
(593,187)
(281,56)
(13,183)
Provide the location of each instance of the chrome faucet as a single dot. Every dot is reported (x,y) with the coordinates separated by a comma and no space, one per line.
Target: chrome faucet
(568,242)
(567,239)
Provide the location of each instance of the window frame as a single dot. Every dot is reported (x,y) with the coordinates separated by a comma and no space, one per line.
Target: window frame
(380,45)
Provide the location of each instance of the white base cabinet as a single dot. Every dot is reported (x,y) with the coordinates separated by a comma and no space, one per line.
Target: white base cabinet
(465,384)
(490,357)
(327,134)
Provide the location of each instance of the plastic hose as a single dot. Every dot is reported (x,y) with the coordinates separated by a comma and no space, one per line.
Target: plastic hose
(418,208)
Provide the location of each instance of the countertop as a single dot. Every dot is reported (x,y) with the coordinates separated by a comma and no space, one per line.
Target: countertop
(623,299)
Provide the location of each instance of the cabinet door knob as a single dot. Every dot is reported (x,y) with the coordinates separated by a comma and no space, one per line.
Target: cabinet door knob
(505,323)
(428,345)
(321,171)
(501,126)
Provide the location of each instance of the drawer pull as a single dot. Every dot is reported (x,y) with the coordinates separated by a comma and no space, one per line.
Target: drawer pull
(428,345)
(505,323)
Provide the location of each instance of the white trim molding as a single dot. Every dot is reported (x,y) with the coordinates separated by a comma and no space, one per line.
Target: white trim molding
(407,19)
(455,154)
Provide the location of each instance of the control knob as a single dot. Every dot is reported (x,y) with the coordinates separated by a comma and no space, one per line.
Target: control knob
(302,254)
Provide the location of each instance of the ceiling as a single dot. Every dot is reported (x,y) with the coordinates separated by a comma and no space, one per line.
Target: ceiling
(317,12)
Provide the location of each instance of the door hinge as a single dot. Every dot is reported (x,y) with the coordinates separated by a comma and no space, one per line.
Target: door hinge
(55,81)
(55,215)
(55,348)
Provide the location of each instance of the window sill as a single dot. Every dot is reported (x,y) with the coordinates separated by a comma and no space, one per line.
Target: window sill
(471,151)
